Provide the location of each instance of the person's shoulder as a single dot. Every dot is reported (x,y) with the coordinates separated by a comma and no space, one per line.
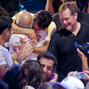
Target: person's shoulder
(55,15)
(52,25)
(3,49)
(83,17)
(57,33)
(84,24)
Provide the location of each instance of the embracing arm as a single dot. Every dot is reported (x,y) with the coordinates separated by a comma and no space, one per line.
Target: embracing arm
(40,49)
(18,30)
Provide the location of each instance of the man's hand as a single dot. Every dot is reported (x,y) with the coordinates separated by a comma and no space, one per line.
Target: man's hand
(72,73)
(87,75)
(25,50)
(84,60)
(37,34)
(81,54)
(32,34)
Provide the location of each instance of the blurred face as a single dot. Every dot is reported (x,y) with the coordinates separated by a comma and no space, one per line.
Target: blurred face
(7,35)
(47,66)
(35,26)
(68,21)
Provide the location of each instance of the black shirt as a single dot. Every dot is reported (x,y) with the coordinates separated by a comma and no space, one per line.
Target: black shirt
(62,46)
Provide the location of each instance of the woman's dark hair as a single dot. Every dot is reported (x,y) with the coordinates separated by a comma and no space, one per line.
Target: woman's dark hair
(43,19)
(30,74)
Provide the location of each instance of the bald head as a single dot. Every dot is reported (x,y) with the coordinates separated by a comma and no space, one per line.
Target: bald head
(24,19)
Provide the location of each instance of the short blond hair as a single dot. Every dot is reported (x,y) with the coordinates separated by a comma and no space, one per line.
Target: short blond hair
(68,5)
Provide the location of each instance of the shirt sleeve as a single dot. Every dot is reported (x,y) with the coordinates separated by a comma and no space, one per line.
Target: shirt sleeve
(53,45)
(2,58)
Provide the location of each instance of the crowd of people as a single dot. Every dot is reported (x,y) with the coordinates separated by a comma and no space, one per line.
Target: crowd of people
(38,51)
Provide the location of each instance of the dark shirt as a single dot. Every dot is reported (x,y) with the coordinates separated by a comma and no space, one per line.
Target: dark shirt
(62,46)
(57,21)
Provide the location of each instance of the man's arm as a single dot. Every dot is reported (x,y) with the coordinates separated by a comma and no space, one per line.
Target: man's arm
(84,60)
(3,70)
(49,7)
(40,49)
(18,30)
(50,31)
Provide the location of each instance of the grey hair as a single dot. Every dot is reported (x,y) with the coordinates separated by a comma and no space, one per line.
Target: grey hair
(20,23)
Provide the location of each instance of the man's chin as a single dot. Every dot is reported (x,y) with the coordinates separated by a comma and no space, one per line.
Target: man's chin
(45,77)
(67,27)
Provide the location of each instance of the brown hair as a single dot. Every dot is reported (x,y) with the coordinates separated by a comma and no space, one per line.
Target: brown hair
(68,5)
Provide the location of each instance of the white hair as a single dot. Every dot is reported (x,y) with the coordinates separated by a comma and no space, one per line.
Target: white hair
(20,23)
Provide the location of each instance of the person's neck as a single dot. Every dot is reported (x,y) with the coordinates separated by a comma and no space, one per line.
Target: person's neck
(76,28)
(2,41)
(46,30)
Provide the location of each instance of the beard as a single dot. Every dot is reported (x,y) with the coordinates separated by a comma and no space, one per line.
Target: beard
(46,77)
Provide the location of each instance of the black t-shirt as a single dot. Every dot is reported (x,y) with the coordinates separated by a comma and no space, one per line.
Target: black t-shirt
(62,46)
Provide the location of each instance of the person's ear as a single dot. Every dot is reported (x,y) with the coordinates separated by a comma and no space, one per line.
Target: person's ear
(76,15)
(6,31)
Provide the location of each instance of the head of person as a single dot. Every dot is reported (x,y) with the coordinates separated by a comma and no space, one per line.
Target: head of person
(30,73)
(72,83)
(5,27)
(45,85)
(58,85)
(48,63)
(53,85)
(42,20)
(68,16)
(72,1)
(24,19)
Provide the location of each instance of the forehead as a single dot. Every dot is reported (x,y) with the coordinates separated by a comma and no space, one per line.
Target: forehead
(46,61)
(65,13)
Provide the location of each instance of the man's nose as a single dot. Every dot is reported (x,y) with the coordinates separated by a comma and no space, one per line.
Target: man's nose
(64,21)
(45,69)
